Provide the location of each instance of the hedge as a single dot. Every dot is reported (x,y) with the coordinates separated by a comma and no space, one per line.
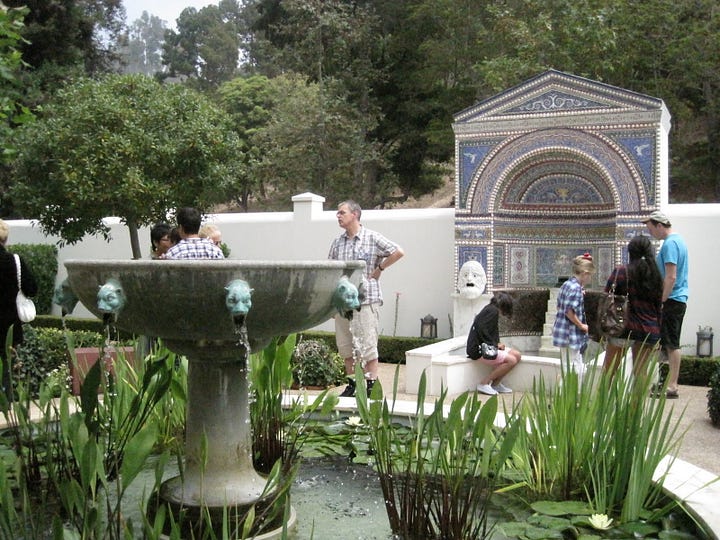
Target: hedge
(694,371)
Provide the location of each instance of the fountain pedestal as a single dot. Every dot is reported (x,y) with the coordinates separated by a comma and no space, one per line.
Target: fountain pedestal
(217,412)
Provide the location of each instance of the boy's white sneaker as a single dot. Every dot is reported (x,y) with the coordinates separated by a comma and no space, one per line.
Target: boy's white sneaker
(486,389)
(500,388)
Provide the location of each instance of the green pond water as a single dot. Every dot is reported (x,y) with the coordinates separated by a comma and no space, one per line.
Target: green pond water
(334,500)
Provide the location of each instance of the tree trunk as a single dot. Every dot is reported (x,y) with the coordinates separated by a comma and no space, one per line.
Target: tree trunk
(134,239)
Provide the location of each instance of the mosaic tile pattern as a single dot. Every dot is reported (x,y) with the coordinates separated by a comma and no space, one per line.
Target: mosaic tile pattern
(552,168)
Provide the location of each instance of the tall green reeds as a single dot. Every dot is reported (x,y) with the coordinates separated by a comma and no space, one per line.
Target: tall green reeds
(438,476)
(597,438)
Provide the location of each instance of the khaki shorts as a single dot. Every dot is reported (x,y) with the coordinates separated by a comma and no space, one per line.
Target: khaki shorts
(358,338)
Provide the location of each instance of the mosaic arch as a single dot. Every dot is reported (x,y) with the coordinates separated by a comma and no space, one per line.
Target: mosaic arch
(552,168)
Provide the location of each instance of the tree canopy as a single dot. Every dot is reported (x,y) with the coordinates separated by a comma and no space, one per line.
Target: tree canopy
(418,62)
(12,111)
(206,46)
(142,48)
(356,99)
(122,146)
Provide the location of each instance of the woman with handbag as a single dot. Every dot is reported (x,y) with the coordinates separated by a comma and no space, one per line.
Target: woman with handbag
(484,344)
(641,282)
(8,303)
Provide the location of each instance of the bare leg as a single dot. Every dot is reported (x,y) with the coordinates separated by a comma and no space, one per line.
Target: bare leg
(350,366)
(641,353)
(371,369)
(613,356)
(496,375)
(674,372)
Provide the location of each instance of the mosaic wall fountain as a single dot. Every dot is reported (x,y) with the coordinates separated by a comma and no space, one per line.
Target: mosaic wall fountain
(552,168)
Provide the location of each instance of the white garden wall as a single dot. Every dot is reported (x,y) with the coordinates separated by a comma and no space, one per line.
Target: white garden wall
(423,281)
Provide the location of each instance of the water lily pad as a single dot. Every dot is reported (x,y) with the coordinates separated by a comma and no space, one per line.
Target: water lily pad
(638,528)
(550,522)
(561,508)
(521,529)
(675,535)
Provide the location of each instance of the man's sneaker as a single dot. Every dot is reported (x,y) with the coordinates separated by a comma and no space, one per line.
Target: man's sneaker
(500,388)
(349,389)
(370,384)
(486,389)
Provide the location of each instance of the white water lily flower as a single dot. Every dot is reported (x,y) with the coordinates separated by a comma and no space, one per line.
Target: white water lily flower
(601,521)
(354,421)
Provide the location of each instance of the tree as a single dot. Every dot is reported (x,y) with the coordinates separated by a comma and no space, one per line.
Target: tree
(206,47)
(315,140)
(249,101)
(143,51)
(371,50)
(12,112)
(72,32)
(125,146)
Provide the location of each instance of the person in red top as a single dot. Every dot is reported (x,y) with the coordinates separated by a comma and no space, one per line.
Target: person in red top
(641,280)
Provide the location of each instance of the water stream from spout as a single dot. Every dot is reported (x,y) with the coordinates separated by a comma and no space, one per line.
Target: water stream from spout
(243,344)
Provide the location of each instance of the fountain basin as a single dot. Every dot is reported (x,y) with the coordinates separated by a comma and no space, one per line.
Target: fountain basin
(184,300)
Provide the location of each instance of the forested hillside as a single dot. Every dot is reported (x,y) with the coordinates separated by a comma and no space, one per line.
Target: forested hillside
(356,98)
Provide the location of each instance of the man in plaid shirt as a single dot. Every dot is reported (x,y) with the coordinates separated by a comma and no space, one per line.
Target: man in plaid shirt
(357,339)
(192,246)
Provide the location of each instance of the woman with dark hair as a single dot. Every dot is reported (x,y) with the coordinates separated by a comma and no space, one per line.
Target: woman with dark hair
(160,240)
(485,330)
(640,279)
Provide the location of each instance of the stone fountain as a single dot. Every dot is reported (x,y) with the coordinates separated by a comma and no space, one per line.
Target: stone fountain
(201,309)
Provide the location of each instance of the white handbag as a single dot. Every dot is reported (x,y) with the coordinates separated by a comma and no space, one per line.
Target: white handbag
(25,306)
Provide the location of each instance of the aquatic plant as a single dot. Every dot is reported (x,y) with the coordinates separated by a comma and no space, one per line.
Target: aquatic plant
(437,477)
(596,438)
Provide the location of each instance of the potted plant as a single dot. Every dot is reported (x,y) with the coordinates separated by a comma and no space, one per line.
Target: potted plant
(315,365)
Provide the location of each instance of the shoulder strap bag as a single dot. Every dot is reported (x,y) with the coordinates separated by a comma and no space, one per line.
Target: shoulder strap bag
(613,310)
(25,306)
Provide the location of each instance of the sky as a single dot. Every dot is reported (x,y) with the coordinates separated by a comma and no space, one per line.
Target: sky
(168,10)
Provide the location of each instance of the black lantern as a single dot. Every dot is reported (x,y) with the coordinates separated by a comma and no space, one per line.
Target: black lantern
(428,327)
(704,347)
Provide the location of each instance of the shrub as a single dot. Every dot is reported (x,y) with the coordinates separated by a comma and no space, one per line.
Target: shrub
(529,307)
(44,351)
(315,364)
(714,397)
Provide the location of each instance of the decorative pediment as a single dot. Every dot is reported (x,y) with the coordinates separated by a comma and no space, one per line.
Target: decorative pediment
(553,93)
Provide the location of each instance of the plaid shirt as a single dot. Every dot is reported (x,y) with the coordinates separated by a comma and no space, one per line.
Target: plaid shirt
(367,246)
(194,248)
(565,333)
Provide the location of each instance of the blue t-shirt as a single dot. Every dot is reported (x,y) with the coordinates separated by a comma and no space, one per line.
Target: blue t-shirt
(674,251)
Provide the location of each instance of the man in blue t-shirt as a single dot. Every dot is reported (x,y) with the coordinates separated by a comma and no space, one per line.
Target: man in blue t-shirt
(673,264)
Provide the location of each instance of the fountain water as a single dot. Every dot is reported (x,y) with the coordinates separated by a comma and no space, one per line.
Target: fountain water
(198,308)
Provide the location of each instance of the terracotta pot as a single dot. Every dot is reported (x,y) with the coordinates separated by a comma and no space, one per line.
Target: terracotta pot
(87,357)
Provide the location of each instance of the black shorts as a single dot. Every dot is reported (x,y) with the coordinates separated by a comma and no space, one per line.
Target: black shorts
(673,314)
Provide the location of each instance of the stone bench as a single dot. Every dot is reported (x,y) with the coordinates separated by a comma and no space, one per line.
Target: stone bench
(447,366)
